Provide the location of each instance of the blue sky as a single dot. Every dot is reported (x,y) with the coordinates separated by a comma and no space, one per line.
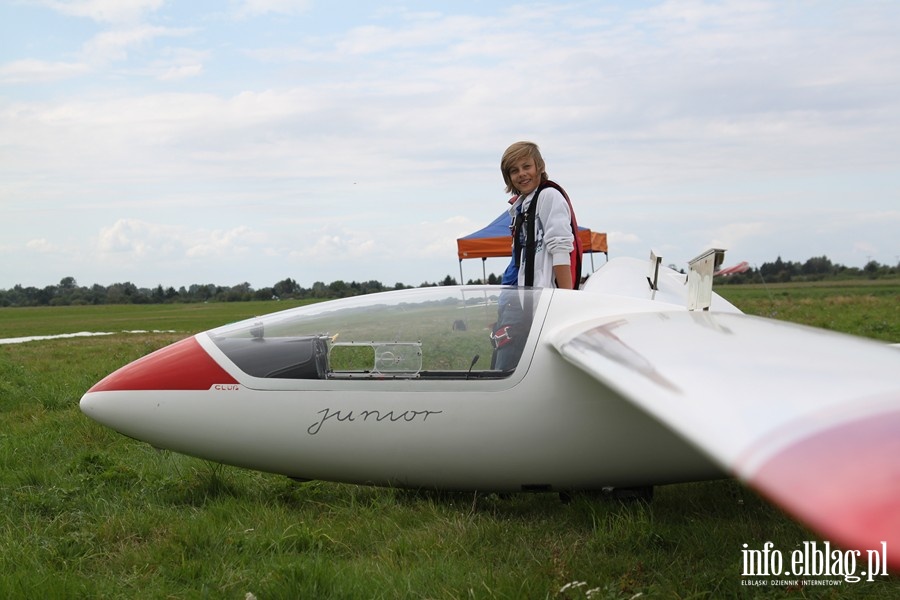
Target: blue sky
(172,143)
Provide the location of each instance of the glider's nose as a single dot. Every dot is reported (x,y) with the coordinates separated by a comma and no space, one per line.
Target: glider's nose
(163,398)
(184,365)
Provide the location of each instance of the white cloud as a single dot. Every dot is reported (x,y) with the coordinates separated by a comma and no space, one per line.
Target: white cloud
(41,245)
(114,45)
(255,8)
(139,239)
(135,238)
(223,243)
(39,71)
(622,237)
(106,11)
(177,72)
(865,248)
(732,234)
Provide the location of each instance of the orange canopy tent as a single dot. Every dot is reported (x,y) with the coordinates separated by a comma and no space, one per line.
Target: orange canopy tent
(494,241)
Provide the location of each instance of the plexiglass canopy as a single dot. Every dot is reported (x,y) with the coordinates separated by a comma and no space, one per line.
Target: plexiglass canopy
(439,333)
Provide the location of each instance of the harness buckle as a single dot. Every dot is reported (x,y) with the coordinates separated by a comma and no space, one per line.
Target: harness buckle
(500,337)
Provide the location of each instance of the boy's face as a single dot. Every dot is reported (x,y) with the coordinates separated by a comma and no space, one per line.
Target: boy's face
(525,176)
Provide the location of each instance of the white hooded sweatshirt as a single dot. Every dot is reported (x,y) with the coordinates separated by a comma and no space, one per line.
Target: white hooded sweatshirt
(553,235)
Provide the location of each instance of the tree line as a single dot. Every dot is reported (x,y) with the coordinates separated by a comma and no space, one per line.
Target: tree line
(68,292)
(818,268)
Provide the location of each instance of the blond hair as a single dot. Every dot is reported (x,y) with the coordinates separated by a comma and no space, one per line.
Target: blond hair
(514,154)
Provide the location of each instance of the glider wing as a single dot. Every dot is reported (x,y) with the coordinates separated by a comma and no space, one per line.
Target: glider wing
(810,418)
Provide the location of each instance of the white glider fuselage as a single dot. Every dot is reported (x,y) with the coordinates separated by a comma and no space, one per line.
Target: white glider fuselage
(545,426)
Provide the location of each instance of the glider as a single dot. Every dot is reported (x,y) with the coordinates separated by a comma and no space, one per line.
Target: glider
(741,267)
(644,377)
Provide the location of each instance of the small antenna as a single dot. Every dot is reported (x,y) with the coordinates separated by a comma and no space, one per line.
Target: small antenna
(472,365)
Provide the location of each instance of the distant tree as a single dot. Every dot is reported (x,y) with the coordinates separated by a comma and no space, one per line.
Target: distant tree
(97,294)
(779,271)
(202,293)
(238,293)
(819,265)
(286,288)
(66,293)
(265,294)
(338,289)
(371,287)
(872,269)
(115,294)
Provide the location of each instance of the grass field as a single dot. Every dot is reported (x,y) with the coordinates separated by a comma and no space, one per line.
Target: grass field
(186,318)
(87,513)
(866,308)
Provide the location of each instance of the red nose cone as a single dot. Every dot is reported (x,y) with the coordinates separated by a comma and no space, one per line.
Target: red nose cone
(184,365)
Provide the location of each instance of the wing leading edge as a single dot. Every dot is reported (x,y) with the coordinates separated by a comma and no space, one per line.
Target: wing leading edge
(809,417)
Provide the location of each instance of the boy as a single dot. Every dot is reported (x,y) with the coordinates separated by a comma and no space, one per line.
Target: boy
(546,252)
(556,258)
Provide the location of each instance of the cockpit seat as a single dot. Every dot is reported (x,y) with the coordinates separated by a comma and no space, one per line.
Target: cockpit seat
(300,357)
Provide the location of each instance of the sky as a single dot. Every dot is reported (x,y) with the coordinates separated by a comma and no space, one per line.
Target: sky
(172,143)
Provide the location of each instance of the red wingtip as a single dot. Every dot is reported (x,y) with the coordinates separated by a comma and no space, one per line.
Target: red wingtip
(845,483)
(184,365)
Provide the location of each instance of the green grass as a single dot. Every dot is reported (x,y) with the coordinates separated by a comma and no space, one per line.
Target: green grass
(185,318)
(867,308)
(88,513)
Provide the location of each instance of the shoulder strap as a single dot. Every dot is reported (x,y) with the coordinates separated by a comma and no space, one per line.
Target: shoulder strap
(575,256)
(530,241)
